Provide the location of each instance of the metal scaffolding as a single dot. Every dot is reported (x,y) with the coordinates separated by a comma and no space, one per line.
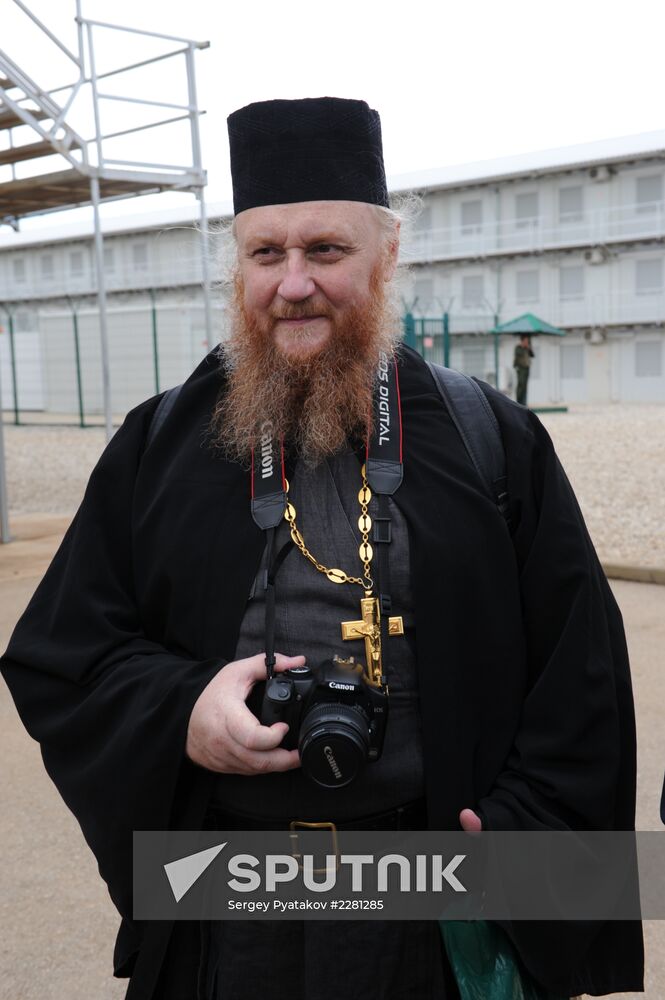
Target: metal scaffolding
(92,177)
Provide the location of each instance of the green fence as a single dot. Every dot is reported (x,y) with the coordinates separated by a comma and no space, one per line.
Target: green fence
(429,336)
(50,356)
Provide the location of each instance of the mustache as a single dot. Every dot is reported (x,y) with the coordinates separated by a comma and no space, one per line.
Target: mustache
(300,310)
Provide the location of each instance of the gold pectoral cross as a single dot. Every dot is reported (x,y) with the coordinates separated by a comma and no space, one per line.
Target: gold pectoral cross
(369,629)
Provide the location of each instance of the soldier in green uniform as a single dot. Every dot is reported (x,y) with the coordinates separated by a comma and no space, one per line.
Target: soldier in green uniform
(522,365)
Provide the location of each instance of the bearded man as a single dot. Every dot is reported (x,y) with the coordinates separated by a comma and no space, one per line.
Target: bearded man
(177,589)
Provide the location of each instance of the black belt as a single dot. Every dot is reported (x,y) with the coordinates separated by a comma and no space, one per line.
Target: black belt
(412,816)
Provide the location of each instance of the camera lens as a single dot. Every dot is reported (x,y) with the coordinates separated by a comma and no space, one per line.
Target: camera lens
(334,744)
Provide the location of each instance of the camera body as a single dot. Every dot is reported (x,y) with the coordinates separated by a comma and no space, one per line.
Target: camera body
(336,719)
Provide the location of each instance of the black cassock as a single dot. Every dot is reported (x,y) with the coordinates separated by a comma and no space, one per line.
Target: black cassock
(523,677)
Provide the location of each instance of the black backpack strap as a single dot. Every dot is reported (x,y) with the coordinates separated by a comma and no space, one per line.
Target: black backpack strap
(164,407)
(479,429)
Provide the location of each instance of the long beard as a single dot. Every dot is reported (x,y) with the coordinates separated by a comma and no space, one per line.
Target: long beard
(316,402)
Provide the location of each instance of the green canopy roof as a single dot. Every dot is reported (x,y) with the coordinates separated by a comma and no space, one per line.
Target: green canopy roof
(529,324)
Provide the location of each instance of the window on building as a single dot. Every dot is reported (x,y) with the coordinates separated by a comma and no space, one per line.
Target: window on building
(572,361)
(472,216)
(473,361)
(423,230)
(76,263)
(648,358)
(571,204)
(18,269)
(648,193)
(46,266)
(571,282)
(472,290)
(140,256)
(649,276)
(423,294)
(526,210)
(24,321)
(109,259)
(527,286)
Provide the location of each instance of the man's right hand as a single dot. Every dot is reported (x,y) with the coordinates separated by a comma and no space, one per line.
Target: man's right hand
(223,734)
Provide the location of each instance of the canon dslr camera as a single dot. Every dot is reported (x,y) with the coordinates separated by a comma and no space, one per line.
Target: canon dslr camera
(336,718)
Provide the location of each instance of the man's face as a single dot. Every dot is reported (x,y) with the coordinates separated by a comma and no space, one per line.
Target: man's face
(304,266)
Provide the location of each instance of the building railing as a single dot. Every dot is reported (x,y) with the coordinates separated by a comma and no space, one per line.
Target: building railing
(594,310)
(599,309)
(122,278)
(629,222)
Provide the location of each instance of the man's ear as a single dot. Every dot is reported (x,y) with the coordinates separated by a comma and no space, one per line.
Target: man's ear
(392,254)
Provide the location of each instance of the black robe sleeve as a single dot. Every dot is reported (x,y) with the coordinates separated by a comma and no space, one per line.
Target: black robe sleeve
(109,706)
(572,764)
(579,694)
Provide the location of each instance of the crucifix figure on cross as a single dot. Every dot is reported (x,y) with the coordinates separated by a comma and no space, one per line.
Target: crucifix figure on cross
(369,629)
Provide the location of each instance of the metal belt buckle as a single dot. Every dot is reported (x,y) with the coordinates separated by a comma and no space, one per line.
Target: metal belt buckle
(298,824)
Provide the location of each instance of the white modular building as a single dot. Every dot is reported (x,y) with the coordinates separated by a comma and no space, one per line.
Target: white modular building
(49,318)
(575,236)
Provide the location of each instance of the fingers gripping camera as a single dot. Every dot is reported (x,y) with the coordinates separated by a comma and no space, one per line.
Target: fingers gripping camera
(336,719)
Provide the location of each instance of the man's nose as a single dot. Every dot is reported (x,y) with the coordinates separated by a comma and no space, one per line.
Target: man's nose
(296,283)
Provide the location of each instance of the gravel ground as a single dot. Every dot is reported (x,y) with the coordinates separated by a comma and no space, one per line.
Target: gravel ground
(614,457)
(48,467)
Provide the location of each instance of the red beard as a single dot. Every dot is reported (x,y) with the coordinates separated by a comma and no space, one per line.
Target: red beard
(317,402)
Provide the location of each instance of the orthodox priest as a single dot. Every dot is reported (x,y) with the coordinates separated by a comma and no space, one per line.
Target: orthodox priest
(244,538)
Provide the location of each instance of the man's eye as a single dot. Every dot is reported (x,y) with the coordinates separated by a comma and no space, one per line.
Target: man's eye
(326,250)
(264,252)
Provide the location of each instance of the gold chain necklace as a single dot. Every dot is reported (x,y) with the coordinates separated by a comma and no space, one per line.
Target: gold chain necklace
(365,550)
(368,627)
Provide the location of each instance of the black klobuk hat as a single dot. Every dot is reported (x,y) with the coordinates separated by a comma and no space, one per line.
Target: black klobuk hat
(315,149)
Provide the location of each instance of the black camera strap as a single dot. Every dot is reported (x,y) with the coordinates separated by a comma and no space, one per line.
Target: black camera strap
(268,502)
(383,466)
(382,537)
(268,479)
(384,469)
(273,563)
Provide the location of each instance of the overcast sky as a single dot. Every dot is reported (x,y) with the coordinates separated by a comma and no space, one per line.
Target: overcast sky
(453,82)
